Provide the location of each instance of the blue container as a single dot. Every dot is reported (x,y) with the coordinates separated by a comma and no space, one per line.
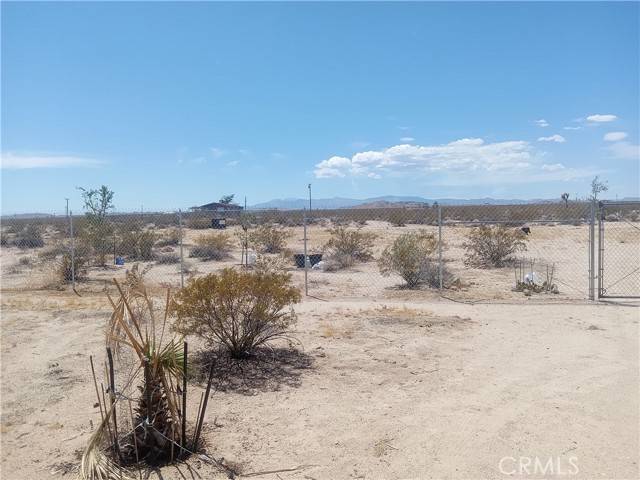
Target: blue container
(119,261)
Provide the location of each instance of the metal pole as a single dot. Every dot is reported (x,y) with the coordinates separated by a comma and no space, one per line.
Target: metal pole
(306,259)
(440,246)
(73,253)
(592,250)
(600,270)
(309,198)
(181,255)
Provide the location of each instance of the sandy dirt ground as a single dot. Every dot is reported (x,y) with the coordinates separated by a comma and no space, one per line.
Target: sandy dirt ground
(377,389)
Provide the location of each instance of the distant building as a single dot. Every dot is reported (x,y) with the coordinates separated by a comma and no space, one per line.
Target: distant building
(218,207)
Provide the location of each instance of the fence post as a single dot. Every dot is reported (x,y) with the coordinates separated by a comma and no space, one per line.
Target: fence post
(306,260)
(592,250)
(181,256)
(440,246)
(73,252)
(600,271)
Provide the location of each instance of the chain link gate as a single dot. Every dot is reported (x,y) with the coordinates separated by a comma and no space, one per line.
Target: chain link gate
(618,249)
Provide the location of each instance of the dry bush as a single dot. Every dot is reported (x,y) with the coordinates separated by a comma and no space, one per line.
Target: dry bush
(239,310)
(52,252)
(214,246)
(346,246)
(137,244)
(488,247)
(168,259)
(169,238)
(269,238)
(411,257)
(335,262)
(4,239)
(268,264)
(397,218)
(199,223)
(29,237)
(66,270)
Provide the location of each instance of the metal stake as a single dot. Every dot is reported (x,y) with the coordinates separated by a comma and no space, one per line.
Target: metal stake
(440,246)
(181,255)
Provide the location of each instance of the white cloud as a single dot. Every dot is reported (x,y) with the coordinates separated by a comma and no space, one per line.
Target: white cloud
(467,161)
(407,139)
(554,167)
(13,161)
(553,138)
(572,128)
(598,118)
(625,150)
(541,123)
(614,136)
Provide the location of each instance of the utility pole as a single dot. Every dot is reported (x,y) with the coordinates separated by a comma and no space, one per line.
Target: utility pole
(309,198)
(67,208)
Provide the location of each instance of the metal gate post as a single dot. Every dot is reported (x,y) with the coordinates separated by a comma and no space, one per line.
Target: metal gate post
(601,215)
(592,250)
(440,246)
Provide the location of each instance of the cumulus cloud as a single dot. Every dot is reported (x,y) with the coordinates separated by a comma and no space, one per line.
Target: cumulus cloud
(614,136)
(599,118)
(14,161)
(553,138)
(541,123)
(407,139)
(466,161)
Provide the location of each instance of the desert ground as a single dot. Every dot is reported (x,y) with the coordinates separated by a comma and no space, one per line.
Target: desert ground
(382,382)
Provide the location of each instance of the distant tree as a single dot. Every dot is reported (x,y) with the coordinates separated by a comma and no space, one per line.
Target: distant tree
(597,186)
(226,199)
(97,202)
(565,199)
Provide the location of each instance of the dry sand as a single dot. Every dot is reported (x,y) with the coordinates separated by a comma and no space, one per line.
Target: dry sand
(386,383)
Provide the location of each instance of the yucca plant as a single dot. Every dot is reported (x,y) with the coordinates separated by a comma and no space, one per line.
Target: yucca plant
(135,325)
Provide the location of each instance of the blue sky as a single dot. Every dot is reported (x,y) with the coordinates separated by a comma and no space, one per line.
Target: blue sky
(175,104)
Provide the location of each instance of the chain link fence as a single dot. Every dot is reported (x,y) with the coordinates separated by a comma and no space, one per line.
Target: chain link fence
(466,253)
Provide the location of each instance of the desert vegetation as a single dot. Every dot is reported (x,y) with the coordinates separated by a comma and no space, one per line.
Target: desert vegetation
(493,246)
(268,238)
(347,246)
(212,246)
(237,309)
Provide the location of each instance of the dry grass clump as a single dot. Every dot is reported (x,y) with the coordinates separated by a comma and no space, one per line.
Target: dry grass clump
(269,238)
(213,246)
(168,259)
(238,310)
(411,256)
(53,252)
(347,246)
(268,264)
(66,270)
(488,247)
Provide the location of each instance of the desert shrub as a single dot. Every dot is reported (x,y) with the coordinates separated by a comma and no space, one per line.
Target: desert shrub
(52,252)
(488,247)
(29,237)
(240,310)
(269,238)
(137,244)
(168,259)
(411,256)
(349,245)
(268,264)
(170,238)
(214,246)
(4,239)
(66,270)
(336,261)
(199,223)
(397,218)
(96,233)
(25,261)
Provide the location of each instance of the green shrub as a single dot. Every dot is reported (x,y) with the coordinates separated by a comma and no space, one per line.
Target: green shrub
(349,245)
(411,256)
(214,246)
(488,247)
(269,238)
(137,244)
(240,310)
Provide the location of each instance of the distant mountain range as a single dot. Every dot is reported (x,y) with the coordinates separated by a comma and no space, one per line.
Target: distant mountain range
(388,200)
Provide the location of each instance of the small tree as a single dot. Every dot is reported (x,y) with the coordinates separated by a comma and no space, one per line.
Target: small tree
(565,199)
(239,310)
(227,199)
(488,247)
(597,187)
(350,245)
(97,232)
(411,257)
(97,202)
